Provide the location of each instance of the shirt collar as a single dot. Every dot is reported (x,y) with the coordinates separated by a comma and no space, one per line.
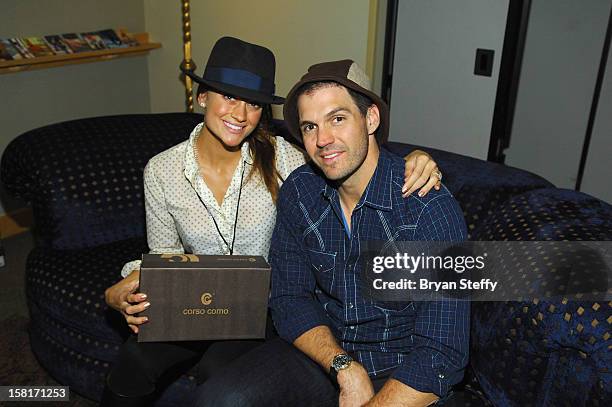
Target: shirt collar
(379,189)
(190,163)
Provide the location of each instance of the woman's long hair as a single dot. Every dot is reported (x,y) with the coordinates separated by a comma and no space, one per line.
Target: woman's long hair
(262,147)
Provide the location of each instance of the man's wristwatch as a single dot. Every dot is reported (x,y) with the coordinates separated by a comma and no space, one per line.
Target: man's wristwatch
(340,362)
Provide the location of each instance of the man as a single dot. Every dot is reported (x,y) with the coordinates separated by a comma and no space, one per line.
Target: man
(347,348)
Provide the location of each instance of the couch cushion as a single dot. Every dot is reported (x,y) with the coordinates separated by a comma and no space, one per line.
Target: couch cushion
(549,214)
(69,285)
(84,177)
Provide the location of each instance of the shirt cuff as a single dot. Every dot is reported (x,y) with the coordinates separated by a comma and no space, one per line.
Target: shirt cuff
(129,267)
(291,325)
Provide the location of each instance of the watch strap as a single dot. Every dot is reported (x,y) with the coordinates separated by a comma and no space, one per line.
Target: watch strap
(340,362)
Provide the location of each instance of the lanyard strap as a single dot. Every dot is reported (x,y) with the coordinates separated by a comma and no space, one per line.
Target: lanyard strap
(231,248)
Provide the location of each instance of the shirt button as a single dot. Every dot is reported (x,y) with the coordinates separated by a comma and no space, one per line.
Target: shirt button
(352,326)
(351,305)
(441,376)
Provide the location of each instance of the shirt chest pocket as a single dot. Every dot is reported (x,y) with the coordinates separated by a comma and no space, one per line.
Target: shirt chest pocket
(321,262)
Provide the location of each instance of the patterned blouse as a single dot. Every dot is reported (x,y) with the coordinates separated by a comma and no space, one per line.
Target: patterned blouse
(175,195)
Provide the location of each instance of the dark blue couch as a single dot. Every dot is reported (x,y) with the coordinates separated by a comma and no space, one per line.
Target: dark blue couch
(84,181)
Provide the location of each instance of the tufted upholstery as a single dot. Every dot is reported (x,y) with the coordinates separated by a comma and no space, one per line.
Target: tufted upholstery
(84,177)
(479,186)
(72,331)
(84,180)
(547,353)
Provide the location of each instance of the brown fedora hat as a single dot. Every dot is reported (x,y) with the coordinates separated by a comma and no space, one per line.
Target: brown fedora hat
(238,68)
(345,72)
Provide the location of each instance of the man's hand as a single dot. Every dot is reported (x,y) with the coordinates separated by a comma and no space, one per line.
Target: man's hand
(319,344)
(355,386)
(123,298)
(421,171)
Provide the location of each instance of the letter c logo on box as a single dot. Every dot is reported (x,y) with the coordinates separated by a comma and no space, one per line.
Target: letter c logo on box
(206,298)
(180,258)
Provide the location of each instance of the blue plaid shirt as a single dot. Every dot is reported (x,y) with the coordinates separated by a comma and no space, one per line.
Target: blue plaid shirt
(316,268)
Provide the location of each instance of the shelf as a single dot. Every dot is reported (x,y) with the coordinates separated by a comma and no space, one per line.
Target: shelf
(28,64)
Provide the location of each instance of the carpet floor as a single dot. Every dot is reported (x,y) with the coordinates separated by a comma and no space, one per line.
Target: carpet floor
(18,366)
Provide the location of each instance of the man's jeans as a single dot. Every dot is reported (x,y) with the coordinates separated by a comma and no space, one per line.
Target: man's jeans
(273,374)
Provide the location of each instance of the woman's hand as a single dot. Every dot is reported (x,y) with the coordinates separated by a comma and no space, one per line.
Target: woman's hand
(123,297)
(421,172)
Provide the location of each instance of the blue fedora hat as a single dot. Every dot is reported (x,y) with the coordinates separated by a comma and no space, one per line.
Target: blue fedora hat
(238,68)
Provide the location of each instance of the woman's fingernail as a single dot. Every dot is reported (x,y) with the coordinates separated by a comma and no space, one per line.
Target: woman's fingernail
(421,193)
(143,296)
(146,304)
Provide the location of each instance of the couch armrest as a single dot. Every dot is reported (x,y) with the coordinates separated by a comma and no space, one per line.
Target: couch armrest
(84,177)
(479,186)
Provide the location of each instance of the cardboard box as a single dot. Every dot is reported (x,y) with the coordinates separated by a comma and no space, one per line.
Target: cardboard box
(197,297)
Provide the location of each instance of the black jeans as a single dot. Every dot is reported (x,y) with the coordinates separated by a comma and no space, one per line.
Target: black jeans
(142,368)
(273,374)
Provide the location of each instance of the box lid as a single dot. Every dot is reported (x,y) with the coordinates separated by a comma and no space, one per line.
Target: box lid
(180,261)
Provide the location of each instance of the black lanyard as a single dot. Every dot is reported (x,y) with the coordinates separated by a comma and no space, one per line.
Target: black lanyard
(231,248)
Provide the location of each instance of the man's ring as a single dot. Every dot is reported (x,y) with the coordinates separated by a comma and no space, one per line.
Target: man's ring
(438,174)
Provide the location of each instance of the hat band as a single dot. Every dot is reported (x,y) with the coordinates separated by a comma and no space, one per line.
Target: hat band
(235,77)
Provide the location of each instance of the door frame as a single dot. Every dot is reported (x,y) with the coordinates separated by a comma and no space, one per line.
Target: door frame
(509,72)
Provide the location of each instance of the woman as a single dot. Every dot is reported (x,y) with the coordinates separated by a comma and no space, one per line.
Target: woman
(212,194)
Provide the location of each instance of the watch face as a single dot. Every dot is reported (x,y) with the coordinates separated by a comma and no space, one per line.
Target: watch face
(341,362)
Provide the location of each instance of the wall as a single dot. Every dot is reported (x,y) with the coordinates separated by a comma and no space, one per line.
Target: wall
(300,33)
(163,22)
(562,52)
(36,98)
